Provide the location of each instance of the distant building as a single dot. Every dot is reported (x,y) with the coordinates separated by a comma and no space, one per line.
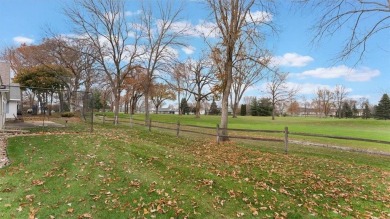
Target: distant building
(168,110)
(10,95)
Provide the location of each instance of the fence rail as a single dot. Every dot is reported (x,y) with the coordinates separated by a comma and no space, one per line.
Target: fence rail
(185,128)
(340,137)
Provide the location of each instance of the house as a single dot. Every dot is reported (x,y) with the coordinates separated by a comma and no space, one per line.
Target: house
(168,110)
(10,95)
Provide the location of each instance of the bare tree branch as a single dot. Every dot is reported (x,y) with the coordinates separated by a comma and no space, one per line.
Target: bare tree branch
(365,19)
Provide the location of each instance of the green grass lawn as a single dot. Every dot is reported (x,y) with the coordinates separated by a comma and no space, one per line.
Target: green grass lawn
(358,128)
(118,172)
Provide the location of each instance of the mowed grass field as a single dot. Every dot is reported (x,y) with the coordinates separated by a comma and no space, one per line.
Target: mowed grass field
(355,128)
(123,172)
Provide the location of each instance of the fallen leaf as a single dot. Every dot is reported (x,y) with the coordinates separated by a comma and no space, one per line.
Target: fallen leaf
(37,182)
(263,208)
(30,198)
(240,214)
(33,212)
(85,215)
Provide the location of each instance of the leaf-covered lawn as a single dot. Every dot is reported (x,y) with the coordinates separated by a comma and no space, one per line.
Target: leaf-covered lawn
(131,173)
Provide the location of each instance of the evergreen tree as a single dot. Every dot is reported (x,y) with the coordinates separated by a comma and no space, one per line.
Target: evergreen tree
(243,109)
(184,108)
(346,111)
(254,107)
(214,108)
(382,111)
(97,103)
(355,111)
(366,111)
(264,107)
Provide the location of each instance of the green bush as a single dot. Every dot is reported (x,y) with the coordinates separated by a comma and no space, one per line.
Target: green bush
(100,114)
(67,114)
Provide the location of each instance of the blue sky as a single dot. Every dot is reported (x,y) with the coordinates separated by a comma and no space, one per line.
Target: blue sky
(310,65)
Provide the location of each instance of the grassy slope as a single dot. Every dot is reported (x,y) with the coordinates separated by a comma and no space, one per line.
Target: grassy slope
(122,173)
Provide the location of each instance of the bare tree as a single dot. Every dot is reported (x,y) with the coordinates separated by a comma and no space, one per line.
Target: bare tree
(73,54)
(103,26)
(160,93)
(246,72)
(235,23)
(178,79)
(365,19)
(134,88)
(161,36)
(201,78)
(324,101)
(340,93)
(306,105)
(279,91)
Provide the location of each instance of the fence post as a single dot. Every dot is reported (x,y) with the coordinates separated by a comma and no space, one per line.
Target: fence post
(104,119)
(286,140)
(150,125)
(177,128)
(217,133)
(131,120)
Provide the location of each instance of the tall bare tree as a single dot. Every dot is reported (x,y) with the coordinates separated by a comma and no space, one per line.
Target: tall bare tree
(279,91)
(364,19)
(134,89)
(246,72)
(103,26)
(177,80)
(201,79)
(161,35)
(73,54)
(340,93)
(324,101)
(235,22)
(160,93)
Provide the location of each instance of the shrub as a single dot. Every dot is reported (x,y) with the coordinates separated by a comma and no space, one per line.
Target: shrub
(67,114)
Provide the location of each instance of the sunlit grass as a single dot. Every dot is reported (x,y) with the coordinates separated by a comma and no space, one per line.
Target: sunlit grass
(118,172)
(356,128)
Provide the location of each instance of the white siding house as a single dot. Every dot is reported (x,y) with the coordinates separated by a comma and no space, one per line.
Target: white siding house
(10,95)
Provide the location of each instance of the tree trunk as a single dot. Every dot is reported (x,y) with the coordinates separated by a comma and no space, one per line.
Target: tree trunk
(224,116)
(235,106)
(126,107)
(197,109)
(225,98)
(273,111)
(73,101)
(116,105)
(133,104)
(51,103)
(147,115)
(178,95)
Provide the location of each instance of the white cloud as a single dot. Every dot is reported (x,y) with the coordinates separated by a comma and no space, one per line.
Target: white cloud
(207,29)
(292,60)
(188,50)
(342,71)
(133,13)
(202,29)
(23,40)
(259,17)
